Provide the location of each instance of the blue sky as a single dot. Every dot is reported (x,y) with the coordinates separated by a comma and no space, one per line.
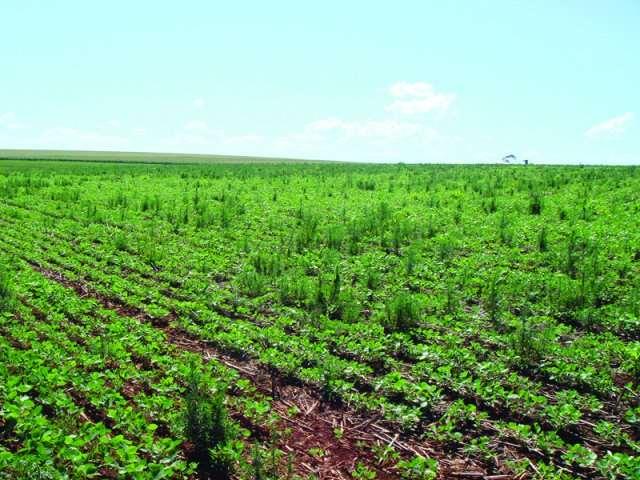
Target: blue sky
(423,81)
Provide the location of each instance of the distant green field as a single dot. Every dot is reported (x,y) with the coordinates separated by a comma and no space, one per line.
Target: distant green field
(136,157)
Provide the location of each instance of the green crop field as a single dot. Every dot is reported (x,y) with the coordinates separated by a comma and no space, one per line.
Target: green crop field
(288,320)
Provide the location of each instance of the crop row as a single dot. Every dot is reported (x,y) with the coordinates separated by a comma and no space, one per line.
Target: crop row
(392,385)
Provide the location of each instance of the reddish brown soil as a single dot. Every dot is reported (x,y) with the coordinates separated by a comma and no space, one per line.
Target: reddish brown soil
(91,412)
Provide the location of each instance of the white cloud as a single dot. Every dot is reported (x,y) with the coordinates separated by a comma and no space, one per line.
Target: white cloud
(382,137)
(418,97)
(334,137)
(611,126)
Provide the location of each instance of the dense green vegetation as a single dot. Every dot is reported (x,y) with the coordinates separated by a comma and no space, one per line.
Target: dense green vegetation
(488,313)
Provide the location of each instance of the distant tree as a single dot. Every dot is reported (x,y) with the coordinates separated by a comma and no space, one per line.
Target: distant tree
(511,158)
